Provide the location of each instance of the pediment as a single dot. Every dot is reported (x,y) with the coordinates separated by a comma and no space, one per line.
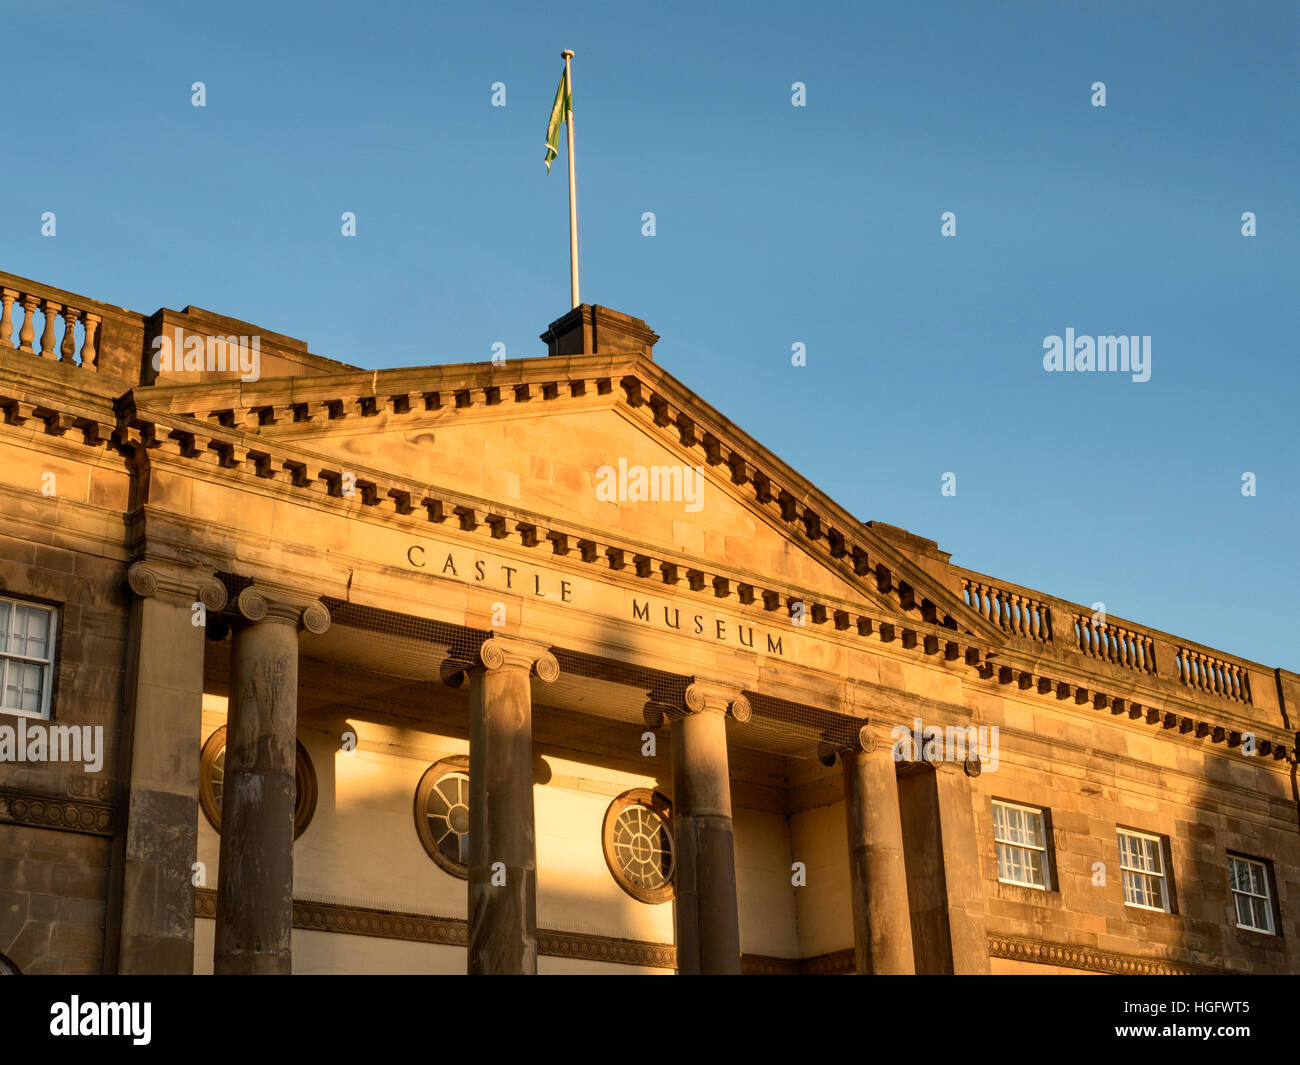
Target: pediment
(611,446)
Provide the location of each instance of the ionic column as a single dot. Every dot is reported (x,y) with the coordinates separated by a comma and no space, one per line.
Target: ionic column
(502,835)
(150,925)
(255,881)
(708,926)
(882,921)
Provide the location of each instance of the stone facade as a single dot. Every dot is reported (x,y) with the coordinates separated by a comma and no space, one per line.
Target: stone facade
(569,578)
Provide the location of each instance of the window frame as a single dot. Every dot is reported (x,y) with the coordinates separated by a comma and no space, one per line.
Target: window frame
(1270,898)
(1045,826)
(663,809)
(455,765)
(11,603)
(1164,876)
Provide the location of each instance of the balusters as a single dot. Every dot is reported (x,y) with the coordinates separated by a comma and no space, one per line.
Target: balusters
(51,348)
(28,332)
(8,296)
(88,352)
(1209,674)
(69,346)
(50,309)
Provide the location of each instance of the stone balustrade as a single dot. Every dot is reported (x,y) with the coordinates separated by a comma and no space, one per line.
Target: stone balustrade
(1071,627)
(1207,673)
(1013,612)
(1114,643)
(24,303)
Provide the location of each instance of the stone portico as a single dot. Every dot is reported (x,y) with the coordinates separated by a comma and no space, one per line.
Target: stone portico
(383,570)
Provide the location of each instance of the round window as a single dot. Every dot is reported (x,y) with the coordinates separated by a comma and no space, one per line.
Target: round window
(212,783)
(442,814)
(638,845)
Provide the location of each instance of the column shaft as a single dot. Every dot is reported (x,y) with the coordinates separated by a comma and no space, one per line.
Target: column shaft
(502,916)
(882,922)
(502,833)
(708,926)
(255,885)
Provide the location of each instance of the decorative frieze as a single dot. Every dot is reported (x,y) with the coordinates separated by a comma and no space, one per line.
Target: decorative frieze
(56,811)
(1089,959)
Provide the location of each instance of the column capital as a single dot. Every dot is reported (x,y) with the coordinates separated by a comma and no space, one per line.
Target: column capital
(874,736)
(180,583)
(510,652)
(710,696)
(264,601)
(870,737)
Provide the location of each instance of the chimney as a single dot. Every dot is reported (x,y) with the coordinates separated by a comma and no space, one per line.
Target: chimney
(590,328)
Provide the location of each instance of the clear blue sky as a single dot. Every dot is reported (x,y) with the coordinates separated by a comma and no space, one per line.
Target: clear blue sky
(775,224)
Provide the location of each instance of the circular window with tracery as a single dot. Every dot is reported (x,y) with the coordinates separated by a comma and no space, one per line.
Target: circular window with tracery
(638,845)
(212,783)
(442,814)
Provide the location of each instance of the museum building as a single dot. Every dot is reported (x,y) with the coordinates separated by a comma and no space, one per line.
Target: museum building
(547,666)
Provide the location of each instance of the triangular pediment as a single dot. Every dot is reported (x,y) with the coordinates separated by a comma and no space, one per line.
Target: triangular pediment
(609,445)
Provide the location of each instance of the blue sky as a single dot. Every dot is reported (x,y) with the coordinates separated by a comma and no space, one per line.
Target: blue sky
(775,225)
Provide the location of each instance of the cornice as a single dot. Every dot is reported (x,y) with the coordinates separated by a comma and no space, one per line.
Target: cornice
(213,448)
(660,404)
(216,441)
(1190,720)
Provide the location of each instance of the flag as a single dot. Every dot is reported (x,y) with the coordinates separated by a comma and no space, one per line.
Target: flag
(563,104)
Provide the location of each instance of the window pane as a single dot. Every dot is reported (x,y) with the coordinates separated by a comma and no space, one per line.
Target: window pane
(1021,865)
(1142,890)
(1140,854)
(1013,825)
(30,633)
(1243,909)
(32,677)
(1034,826)
(1039,868)
(24,685)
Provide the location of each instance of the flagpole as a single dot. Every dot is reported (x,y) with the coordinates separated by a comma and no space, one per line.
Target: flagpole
(573,184)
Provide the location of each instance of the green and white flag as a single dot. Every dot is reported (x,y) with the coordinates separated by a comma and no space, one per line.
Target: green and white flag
(562,106)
